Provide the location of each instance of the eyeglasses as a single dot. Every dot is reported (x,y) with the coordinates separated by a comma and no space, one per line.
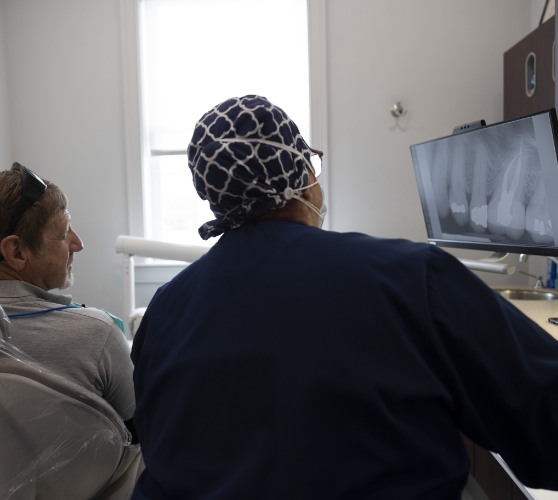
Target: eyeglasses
(32,188)
(316,161)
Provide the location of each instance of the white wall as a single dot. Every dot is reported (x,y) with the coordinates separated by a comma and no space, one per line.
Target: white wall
(537,7)
(5,153)
(444,61)
(64,83)
(442,58)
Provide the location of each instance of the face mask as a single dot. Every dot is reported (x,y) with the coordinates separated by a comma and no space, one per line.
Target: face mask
(320,213)
(289,192)
(323,210)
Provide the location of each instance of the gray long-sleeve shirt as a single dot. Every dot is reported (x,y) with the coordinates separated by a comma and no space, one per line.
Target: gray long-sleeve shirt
(83,344)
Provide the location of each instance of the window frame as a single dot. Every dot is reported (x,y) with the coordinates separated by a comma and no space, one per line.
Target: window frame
(136,155)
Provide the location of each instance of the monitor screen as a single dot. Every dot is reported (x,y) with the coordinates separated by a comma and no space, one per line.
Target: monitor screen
(492,188)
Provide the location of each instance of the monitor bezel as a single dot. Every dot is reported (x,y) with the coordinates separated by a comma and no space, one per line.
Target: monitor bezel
(492,247)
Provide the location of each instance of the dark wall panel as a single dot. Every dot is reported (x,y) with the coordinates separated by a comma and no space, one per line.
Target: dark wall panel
(516,101)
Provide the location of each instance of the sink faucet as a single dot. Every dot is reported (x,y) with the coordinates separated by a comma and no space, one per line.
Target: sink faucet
(538,284)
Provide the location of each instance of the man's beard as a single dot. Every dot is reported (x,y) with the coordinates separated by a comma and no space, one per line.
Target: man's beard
(68,280)
(69,277)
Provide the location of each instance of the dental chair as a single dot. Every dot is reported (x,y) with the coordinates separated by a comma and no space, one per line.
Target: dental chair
(57,439)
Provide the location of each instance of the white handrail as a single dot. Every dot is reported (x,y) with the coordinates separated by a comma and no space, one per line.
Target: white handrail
(143,247)
(131,245)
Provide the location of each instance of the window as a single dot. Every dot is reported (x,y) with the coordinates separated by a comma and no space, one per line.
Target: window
(195,54)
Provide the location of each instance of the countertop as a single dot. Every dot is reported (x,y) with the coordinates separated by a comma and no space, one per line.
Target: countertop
(539,311)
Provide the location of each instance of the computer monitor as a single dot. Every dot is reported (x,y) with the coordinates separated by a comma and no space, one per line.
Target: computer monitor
(492,188)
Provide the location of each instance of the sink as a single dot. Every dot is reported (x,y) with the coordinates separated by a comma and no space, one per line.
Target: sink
(534,294)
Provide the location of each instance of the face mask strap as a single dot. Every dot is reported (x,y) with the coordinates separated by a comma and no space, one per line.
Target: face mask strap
(320,215)
(293,194)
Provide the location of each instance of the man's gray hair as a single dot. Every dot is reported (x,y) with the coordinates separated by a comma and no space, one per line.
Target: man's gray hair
(33,222)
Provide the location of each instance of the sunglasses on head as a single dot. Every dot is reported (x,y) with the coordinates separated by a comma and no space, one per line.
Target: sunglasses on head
(32,188)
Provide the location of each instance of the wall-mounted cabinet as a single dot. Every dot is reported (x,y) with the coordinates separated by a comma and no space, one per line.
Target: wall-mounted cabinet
(529,73)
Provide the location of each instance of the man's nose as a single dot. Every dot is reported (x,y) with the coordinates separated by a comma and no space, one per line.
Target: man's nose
(76,245)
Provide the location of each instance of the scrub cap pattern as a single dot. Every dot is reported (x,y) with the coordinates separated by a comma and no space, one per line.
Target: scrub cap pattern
(240,176)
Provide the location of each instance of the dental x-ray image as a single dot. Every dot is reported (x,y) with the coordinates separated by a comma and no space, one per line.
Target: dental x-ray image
(488,185)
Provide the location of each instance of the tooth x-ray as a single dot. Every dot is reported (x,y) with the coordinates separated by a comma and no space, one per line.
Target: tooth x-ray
(491,186)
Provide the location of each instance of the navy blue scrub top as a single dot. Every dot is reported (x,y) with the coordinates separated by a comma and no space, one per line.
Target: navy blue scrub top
(295,363)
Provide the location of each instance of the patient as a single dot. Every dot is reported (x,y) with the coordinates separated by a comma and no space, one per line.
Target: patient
(37,246)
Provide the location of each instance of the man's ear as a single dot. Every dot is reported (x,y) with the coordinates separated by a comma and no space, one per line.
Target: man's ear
(308,194)
(14,252)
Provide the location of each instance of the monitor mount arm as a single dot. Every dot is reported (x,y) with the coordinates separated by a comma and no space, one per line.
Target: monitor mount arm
(490,264)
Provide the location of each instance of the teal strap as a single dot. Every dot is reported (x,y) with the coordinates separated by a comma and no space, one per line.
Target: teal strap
(117,321)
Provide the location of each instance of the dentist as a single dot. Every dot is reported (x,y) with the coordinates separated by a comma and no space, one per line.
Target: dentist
(295,363)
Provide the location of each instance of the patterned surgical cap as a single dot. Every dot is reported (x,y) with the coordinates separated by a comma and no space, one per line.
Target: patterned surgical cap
(242,180)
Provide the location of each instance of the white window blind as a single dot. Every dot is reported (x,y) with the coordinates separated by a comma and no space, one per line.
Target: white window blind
(195,54)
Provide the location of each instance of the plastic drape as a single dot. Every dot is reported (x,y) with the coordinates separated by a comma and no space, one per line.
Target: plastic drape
(57,439)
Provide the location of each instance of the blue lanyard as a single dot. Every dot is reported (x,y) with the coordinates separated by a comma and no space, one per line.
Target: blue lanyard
(74,305)
(44,311)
